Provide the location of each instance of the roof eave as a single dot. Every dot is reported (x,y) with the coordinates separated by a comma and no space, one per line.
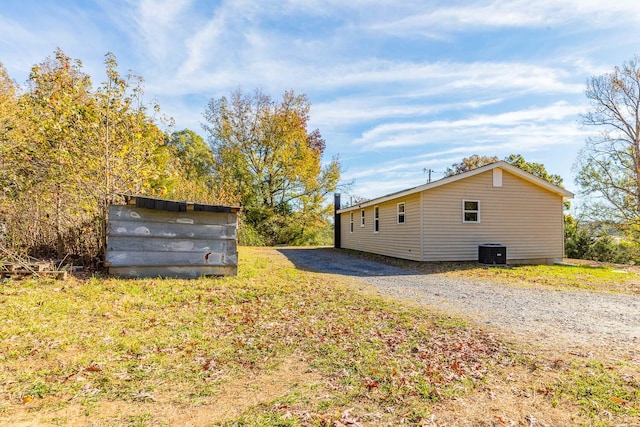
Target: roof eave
(444,181)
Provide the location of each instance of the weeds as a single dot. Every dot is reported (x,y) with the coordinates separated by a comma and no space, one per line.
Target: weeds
(601,391)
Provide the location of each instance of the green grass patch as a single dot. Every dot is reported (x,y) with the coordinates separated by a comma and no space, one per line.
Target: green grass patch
(601,391)
(106,340)
(134,352)
(605,279)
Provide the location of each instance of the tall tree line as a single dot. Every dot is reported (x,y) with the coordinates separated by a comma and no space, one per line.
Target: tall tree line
(265,153)
(67,151)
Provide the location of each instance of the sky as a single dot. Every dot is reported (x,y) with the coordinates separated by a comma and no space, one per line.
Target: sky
(396,88)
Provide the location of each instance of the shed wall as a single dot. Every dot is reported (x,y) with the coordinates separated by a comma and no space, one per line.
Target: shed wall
(524,217)
(392,239)
(154,243)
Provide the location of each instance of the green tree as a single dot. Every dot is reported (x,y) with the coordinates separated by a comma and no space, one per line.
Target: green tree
(475,161)
(594,241)
(9,135)
(578,244)
(60,112)
(8,104)
(68,151)
(469,163)
(533,168)
(135,158)
(195,156)
(608,167)
(266,155)
(194,172)
(128,155)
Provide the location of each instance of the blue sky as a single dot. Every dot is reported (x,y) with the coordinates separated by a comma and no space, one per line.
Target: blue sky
(395,87)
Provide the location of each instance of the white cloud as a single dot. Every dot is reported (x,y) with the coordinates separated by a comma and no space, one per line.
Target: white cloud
(384,78)
(201,46)
(461,18)
(354,110)
(12,34)
(510,13)
(402,172)
(525,122)
(162,13)
(158,23)
(226,40)
(394,76)
(12,31)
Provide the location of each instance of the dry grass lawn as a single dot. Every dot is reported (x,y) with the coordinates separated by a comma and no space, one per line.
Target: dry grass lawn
(280,346)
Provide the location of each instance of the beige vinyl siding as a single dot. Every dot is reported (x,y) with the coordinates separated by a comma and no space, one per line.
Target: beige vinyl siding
(393,239)
(524,217)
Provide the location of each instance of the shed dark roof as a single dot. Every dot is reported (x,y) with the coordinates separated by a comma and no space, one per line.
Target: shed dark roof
(176,206)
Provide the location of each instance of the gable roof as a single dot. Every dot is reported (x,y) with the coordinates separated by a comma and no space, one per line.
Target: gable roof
(448,180)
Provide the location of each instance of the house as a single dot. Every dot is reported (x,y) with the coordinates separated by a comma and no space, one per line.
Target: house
(150,237)
(449,219)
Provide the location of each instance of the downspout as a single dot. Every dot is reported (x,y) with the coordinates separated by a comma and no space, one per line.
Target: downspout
(563,228)
(337,223)
(422,222)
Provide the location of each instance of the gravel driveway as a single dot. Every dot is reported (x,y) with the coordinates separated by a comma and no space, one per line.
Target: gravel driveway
(576,318)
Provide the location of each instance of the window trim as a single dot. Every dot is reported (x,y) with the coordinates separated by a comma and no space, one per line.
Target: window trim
(465,211)
(350,222)
(362,218)
(376,219)
(402,214)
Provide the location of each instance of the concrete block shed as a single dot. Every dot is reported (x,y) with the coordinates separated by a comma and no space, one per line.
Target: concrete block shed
(150,237)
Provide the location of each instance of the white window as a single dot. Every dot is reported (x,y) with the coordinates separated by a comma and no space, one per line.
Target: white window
(351,222)
(401,217)
(362,218)
(470,211)
(376,219)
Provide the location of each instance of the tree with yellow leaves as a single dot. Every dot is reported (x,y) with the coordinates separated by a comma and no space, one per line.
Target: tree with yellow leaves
(68,151)
(264,152)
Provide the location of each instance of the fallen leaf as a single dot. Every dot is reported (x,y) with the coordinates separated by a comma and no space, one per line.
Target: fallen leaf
(66,378)
(209,365)
(27,399)
(546,391)
(455,366)
(616,400)
(93,367)
(371,384)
